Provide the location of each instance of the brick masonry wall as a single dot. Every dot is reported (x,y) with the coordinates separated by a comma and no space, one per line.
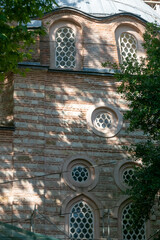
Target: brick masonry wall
(34,50)
(6,102)
(50,119)
(6,148)
(98,37)
(6,174)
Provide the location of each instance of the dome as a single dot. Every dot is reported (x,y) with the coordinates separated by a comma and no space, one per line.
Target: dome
(104,8)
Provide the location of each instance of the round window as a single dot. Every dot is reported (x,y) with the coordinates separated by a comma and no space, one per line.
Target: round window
(80,173)
(104,120)
(127,175)
(123,173)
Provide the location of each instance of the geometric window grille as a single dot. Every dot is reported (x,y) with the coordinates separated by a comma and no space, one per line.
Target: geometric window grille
(102,121)
(127,175)
(81,222)
(65,48)
(127,231)
(128,46)
(80,173)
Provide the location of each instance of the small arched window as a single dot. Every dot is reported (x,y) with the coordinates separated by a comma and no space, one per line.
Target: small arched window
(128,232)
(129,40)
(81,221)
(128,46)
(65,53)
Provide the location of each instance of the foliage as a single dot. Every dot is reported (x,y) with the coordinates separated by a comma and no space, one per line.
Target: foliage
(140,86)
(147,179)
(14,35)
(158,237)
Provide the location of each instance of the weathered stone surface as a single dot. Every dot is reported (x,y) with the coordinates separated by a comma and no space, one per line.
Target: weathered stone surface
(50,111)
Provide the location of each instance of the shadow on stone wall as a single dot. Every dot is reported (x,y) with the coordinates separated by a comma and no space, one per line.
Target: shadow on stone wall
(50,126)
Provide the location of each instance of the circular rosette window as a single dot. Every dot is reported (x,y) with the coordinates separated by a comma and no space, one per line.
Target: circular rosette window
(127,175)
(124,173)
(105,120)
(80,173)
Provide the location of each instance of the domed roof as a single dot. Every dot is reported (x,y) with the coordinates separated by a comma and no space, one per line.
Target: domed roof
(104,8)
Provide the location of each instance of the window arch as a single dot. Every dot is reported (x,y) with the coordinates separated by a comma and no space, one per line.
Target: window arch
(122,212)
(129,41)
(65,52)
(128,46)
(126,221)
(80,210)
(65,44)
(81,221)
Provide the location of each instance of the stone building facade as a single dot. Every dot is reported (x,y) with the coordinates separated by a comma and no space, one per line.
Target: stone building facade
(62,131)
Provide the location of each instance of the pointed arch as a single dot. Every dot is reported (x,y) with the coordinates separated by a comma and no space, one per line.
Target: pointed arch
(123,213)
(83,203)
(81,221)
(126,221)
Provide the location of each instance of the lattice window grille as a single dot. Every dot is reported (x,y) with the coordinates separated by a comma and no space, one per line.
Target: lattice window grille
(81,222)
(127,231)
(65,48)
(102,121)
(127,175)
(80,173)
(128,45)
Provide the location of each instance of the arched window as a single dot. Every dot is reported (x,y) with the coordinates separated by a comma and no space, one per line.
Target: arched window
(128,46)
(127,232)
(81,221)
(129,40)
(65,53)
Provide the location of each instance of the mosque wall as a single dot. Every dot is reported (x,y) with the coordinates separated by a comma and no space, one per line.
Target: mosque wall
(51,130)
(96,39)
(68,122)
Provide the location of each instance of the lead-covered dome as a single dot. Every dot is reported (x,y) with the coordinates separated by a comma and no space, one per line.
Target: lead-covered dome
(104,8)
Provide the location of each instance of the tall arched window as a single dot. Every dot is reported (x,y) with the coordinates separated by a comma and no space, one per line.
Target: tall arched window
(128,46)
(127,232)
(81,221)
(129,40)
(65,53)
